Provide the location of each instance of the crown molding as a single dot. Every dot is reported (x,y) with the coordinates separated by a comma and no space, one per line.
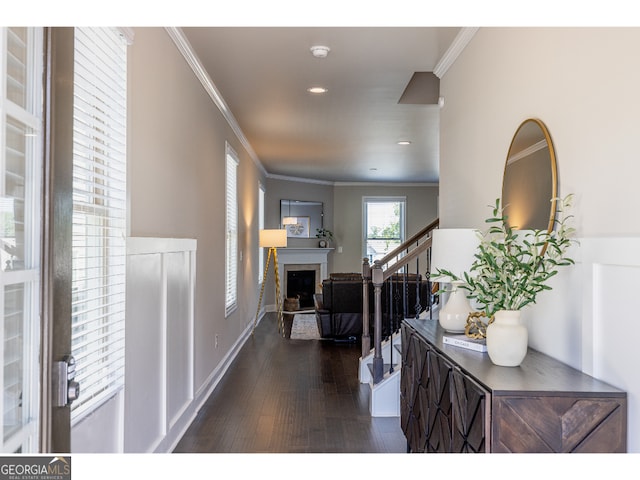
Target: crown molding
(350,184)
(299,179)
(385,184)
(184,47)
(455,49)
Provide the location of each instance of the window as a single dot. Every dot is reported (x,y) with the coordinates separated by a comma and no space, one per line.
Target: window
(384,225)
(99,215)
(260,227)
(21,53)
(231,241)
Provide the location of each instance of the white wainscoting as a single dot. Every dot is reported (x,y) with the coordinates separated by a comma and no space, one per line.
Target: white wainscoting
(159,380)
(611,293)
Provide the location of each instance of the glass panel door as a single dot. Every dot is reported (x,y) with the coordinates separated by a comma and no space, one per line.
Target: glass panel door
(20,193)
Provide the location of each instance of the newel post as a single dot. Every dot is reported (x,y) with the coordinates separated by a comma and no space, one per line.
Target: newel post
(377,278)
(366,278)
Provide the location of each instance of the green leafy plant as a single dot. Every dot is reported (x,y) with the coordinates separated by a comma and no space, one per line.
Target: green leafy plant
(512,267)
(324,233)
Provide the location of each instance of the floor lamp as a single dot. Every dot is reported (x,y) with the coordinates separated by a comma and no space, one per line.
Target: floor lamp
(272,239)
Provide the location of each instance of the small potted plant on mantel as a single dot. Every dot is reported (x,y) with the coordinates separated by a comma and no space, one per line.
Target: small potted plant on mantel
(325,235)
(511,268)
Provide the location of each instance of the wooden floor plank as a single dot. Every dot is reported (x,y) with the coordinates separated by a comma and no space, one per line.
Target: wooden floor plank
(291,396)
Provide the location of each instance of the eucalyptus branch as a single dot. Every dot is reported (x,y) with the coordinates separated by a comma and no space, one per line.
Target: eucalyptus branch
(512,267)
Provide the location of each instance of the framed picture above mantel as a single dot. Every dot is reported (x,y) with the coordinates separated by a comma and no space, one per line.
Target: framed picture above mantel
(300,229)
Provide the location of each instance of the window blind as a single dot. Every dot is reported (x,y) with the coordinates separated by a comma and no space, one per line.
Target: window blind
(99,215)
(231,250)
(260,227)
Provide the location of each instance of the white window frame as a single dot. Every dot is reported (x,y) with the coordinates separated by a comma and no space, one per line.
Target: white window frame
(261,198)
(99,216)
(25,277)
(231,230)
(382,199)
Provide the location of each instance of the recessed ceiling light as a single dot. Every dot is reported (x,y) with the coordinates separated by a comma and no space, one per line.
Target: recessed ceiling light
(320,51)
(317,90)
(404,142)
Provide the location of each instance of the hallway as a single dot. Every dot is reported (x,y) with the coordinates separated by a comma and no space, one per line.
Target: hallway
(291,396)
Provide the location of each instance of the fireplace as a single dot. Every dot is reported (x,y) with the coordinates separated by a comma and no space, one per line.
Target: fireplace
(303,259)
(301,284)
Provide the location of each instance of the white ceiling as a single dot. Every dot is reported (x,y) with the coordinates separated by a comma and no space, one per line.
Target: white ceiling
(348,134)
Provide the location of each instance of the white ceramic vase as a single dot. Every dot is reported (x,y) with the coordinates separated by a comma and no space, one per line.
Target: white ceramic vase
(507,339)
(453,316)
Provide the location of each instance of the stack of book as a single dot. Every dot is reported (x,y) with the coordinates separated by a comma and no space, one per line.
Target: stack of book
(479,345)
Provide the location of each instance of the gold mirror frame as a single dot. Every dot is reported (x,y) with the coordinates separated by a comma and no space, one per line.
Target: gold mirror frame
(530,181)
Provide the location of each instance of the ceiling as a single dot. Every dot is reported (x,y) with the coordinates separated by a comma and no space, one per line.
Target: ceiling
(349,133)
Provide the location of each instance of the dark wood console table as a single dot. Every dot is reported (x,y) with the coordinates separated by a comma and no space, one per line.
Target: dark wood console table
(456,400)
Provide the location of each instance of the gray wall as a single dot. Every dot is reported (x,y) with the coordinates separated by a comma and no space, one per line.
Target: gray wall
(284,189)
(506,75)
(421,210)
(343,213)
(177,186)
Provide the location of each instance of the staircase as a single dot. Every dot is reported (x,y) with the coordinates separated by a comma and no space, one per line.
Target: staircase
(384,400)
(380,367)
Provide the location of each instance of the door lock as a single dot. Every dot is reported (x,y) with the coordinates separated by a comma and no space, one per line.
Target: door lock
(66,389)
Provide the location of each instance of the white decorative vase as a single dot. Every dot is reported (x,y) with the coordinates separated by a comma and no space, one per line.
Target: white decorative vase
(507,339)
(453,316)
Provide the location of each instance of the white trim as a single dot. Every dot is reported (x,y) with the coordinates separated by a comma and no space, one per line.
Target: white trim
(351,184)
(384,184)
(299,179)
(143,245)
(542,144)
(455,49)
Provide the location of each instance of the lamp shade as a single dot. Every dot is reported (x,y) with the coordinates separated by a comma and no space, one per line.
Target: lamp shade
(289,220)
(453,249)
(273,238)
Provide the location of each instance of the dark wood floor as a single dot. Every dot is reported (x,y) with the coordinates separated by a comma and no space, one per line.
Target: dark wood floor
(291,396)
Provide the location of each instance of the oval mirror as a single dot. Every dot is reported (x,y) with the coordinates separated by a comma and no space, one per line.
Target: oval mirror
(529,184)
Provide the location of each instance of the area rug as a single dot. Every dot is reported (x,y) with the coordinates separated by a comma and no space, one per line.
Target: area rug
(304,327)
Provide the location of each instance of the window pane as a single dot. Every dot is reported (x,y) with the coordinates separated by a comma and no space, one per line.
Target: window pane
(231,248)
(260,227)
(20,167)
(384,226)
(17,65)
(12,205)
(13,359)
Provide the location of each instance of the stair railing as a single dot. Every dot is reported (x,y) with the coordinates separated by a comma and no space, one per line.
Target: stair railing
(398,259)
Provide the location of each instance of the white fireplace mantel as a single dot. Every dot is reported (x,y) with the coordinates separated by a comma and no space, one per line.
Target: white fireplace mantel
(288,256)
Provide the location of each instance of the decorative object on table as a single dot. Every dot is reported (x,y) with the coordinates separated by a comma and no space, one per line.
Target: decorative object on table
(325,235)
(476,327)
(453,251)
(507,339)
(511,268)
(462,341)
(272,239)
(300,229)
